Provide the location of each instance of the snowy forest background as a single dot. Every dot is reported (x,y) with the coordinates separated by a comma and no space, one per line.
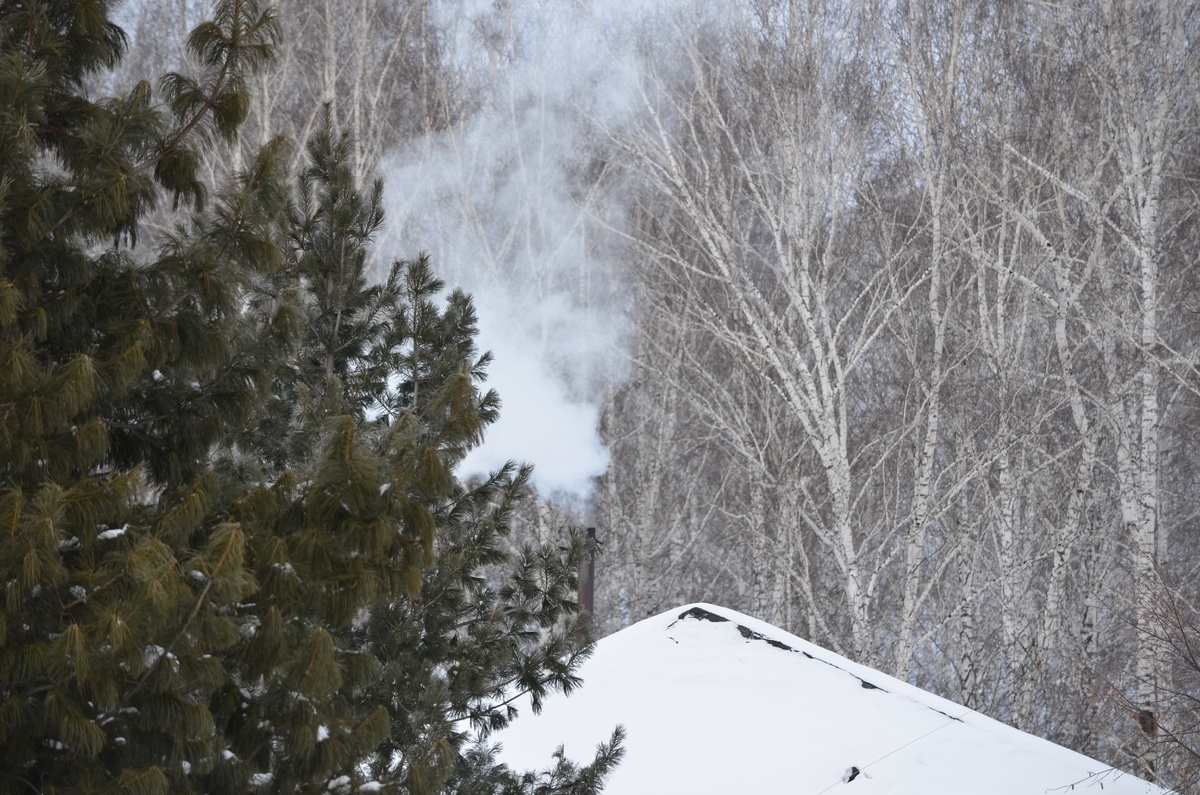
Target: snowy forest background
(875,320)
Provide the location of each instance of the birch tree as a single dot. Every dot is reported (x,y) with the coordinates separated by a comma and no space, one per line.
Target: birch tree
(760,164)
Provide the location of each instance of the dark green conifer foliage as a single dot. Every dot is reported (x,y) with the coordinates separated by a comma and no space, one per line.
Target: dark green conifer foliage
(233,553)
(118,377)
(451,636)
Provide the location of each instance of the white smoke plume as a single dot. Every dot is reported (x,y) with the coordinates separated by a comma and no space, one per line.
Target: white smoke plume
(514,206)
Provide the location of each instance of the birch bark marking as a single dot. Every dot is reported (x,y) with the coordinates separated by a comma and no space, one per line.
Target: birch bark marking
(1069,533)
(966,631)
(361,35)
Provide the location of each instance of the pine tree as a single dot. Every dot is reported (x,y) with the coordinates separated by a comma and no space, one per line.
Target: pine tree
(462,629)
(118,376)
(234,554)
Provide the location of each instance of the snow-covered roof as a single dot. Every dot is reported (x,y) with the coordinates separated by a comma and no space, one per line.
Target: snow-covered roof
(717,702)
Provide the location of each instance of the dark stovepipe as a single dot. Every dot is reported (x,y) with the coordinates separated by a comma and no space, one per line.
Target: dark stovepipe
(587,578)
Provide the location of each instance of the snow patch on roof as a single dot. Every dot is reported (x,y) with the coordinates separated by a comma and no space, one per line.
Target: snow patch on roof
(715,702)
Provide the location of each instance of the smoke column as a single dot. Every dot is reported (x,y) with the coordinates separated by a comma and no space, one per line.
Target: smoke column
(516,206)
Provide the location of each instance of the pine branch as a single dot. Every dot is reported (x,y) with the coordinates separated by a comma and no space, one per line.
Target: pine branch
(145,676)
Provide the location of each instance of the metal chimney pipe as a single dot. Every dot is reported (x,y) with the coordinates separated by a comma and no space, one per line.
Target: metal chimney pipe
(587,578)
